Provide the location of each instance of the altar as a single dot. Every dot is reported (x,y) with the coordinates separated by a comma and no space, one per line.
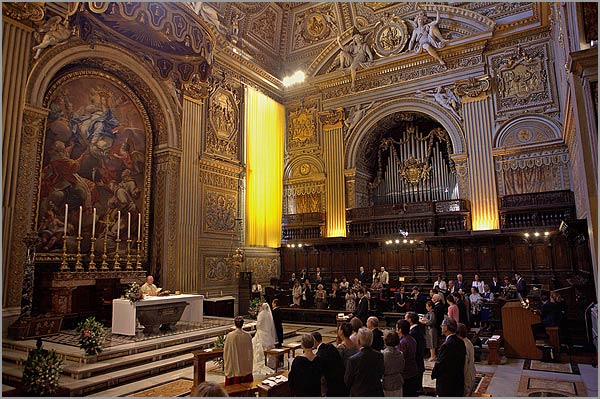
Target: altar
(125,313)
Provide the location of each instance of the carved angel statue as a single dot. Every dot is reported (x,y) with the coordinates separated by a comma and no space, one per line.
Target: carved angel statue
(209,14)
(356,114)
(446,98)
(174,92)
(55,33)
(235,25)
(427,36)
(356,53)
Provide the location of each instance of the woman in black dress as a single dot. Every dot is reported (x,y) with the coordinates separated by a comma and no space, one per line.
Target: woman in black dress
(305,376)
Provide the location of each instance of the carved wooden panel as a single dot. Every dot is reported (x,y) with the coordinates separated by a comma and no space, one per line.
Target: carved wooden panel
(540,255)
(486,258)
(453,258)
(521,257)
(436,257)
(560,255)
(419,260)
(405,259)
(503,257)
(470,257)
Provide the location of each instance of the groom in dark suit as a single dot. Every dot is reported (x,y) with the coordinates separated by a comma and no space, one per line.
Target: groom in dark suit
(333,368)
(448,371)
(362,309)
(277,320)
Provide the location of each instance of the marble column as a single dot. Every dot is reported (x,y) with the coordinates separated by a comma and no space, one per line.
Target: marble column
(25,199)
(165,217)
(190,199)
(333,155)
(477,113)
(16,52)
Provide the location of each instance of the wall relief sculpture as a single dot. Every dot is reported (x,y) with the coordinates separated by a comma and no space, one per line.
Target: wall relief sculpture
(521,80)
(224,120)
(426,36)
(55,31)
(263,269)
(302,127)
(391,35)
(355,54)
(313,26)
(446,98)
(217,271)
(97,155)
(220,212)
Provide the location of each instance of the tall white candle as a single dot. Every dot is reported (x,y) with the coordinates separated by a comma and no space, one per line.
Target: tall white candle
(139,225)
(118,223)
(66,217)
(80,214)
(128,225)
(94,223)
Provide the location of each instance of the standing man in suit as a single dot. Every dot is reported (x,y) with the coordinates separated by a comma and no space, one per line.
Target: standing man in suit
(416,331)
(362,308)
(521,286)
(459,283)
(365,369)
(362,276)
(276,312)
(384,277)
(449,366)
(495,285)
(408,347)
(373,325)
(332,382)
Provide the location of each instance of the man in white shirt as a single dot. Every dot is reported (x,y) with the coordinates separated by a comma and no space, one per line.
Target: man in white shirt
(238,355)
(256,288)
(440,284)
(149,288)
(384,277)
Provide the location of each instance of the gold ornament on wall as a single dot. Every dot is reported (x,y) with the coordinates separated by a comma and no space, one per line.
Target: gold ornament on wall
(303,127)
(414,170)
(391,35)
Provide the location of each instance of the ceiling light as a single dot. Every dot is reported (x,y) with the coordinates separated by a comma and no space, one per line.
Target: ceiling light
(527,235)
(536,234)
(546,233)
(405,241)
(297,77)
(397,241)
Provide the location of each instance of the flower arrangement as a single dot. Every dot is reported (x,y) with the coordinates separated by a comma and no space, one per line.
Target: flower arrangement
(91,336)
(254,307)
(220,343)
(41,373)
(133,292)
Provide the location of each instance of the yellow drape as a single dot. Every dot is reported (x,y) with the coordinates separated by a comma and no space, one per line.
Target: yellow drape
(265,124)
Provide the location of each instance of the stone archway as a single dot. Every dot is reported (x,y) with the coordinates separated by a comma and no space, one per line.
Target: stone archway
(357,174)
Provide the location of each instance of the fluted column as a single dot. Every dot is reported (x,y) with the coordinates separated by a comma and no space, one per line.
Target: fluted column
(189,202)
(480,162)
(333,155)
(16,50)
(165,216)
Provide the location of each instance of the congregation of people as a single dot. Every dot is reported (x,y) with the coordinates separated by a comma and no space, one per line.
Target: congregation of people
(368,360)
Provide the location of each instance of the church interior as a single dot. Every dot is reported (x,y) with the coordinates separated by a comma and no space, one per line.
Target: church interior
(230,149)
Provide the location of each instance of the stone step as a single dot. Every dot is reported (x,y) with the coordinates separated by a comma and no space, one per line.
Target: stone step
(80,371)
(146,383)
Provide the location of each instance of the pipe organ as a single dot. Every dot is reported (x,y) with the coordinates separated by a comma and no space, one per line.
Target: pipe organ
(415,168)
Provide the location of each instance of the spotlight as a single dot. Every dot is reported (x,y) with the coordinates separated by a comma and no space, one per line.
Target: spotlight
(536,234)
(299,245)
(397,241)
(405,241)
(293,245)
(412,241)
(527,235)
(546,234)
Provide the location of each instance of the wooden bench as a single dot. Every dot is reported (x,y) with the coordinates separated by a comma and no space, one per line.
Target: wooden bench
(276,353)
(293,346)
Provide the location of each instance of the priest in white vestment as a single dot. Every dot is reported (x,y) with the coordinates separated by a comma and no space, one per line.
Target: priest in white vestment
(237,355)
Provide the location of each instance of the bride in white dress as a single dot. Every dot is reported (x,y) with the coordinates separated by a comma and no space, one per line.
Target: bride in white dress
(265,338)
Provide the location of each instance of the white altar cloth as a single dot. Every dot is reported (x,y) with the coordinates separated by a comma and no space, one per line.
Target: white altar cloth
(125,313)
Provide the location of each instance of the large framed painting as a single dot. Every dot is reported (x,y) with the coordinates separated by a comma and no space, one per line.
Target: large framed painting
(96,160)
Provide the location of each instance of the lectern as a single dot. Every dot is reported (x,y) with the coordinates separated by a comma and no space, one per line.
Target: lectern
(516,330)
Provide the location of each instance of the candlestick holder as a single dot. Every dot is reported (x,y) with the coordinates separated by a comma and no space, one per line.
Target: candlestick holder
(64,266)
(138,256)
(104,264)
(128,263)
(116,265)
(78,264)
(92,265)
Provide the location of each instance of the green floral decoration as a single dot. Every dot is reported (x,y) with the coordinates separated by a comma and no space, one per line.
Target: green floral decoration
(220,343)
(41,373)
(133,292)
(254,307)
(91,336)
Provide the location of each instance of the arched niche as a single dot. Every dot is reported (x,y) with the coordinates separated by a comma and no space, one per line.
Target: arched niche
(304,185)
(526,131)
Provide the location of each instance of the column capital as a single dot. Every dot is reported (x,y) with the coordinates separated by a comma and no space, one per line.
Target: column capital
(332,119)
(473,88)
(195,91)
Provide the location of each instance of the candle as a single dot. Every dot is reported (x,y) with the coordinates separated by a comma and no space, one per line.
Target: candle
(139,226)
(80,214)
(128,225)
(118,223)
(66,216)
(94,223)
